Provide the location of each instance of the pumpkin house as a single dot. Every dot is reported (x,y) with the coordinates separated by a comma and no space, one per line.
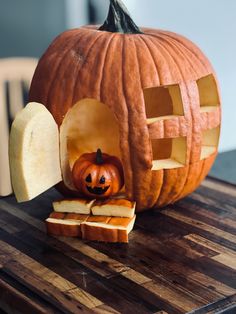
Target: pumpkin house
(148,97)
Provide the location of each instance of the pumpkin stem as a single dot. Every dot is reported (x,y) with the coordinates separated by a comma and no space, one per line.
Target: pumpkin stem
(99,159)
(119,20)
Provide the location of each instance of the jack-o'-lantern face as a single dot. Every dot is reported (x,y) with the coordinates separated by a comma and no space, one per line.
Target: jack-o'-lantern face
(98,175)
(97,186)
(149,98)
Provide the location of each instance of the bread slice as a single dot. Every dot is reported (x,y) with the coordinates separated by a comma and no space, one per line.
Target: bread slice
(67,225)
(34,152)
(89,227)
(60,227)
(76,206)
(114,231)
(114,208)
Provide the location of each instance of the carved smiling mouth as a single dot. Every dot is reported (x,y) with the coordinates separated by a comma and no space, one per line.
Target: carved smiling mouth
(97,190)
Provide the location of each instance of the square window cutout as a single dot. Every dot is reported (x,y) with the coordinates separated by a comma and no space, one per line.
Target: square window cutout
(210,141)
(169,153)
(208,93)
(163,102)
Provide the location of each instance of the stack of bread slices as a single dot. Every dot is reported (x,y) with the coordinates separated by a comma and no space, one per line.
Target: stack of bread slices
(107,221)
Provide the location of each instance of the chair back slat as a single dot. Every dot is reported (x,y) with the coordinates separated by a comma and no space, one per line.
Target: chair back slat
(15,76)
(16,101)
(5,182)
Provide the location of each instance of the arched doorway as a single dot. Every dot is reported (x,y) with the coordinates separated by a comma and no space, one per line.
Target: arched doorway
(87,126)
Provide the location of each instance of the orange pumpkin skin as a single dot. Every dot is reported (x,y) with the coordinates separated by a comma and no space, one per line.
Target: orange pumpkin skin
(114,68)
(98,180)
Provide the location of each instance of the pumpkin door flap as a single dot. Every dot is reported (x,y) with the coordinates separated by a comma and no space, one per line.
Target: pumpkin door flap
(34,152)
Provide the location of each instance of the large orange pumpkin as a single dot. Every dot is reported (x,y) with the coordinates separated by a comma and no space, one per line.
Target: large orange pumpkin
(147,96)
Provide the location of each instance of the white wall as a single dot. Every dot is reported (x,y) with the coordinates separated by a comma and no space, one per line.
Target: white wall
(76,13)
(27,27)
(211,24)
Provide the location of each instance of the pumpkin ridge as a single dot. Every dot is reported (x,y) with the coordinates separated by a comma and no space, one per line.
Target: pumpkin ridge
(189,52)
(189,165)
(142,38)
(155,42)
(152,200)
(176,48)
(115,65)
(178,170)
(195,50)
(186,53)
(201,171)
(163,47)
(100,65)
(104,62)
(149,39)
(60,73)
(166,177)
(165,172)
(178,52)
(59,65)
(128,171)
(35,78)
(128,117)
(147,175)
(66,103)
(206,166)
(89,49)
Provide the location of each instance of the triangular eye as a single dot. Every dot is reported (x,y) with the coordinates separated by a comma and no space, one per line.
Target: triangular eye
(102,180)
(89,178)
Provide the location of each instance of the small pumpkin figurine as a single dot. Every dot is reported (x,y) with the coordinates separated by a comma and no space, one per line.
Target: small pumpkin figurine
(98,175)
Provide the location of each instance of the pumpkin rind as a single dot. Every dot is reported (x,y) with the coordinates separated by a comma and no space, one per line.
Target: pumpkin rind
(114,69)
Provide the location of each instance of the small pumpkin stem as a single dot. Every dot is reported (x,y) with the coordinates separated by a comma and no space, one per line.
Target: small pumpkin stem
(99,159)
(119,20)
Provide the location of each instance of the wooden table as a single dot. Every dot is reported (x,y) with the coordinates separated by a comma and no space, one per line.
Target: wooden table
(181,259)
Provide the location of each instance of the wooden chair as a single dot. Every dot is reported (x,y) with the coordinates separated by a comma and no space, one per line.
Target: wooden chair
(15,79)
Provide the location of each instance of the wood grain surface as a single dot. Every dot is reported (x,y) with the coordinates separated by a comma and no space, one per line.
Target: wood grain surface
(180,259)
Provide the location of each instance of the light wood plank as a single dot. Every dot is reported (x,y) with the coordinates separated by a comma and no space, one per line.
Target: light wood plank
(209,244)
(180,301)
(51,277)
(8,293)
(226,256)
(136,277)
(105,309)
(225,259)
(200,225)
(211,283)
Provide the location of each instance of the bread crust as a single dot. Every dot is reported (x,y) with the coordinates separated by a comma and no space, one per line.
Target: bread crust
(89,227)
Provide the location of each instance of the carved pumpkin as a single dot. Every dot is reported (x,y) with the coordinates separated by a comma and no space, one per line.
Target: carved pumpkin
(98,175)
(147,96)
